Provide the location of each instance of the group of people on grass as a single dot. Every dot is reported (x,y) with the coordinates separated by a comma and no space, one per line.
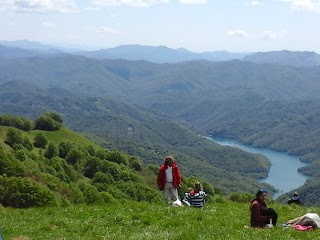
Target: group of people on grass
(169,179)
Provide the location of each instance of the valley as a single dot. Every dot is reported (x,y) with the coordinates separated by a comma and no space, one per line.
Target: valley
(167,106)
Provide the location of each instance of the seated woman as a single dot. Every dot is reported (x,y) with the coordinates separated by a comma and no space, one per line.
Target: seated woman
(196,197)
(309,219)
(260,214)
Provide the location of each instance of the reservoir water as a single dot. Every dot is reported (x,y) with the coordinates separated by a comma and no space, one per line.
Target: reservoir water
(283,174)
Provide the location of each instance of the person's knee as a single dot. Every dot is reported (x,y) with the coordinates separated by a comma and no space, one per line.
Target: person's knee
(271,212)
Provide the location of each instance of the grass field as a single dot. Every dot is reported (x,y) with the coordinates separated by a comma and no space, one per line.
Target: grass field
(145,221)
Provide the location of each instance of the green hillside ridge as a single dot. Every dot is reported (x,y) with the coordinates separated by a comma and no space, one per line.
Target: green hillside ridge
(68,169)
(221,219)
(150,137)
(147,83)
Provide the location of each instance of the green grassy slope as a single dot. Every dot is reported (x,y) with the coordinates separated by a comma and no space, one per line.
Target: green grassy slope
(76,171)
(146,221)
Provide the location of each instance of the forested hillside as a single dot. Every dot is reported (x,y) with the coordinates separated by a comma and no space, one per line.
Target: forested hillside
(267,105)
(44,163)
(138,132)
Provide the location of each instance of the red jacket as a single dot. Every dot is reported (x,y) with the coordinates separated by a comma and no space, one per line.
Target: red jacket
(258,214)
(161,180)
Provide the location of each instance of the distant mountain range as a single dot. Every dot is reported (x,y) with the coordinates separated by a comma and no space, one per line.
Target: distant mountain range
(297,59)
(159,54)
(17,52)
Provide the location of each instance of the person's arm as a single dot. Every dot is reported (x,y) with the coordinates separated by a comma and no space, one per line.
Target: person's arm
(256,213)
(178,176)
(186,199)
(159,178)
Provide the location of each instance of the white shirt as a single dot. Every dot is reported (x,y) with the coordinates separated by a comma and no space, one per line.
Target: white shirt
(169,176)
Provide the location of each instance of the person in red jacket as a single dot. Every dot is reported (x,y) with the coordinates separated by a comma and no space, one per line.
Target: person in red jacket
(260,214)
(169,179)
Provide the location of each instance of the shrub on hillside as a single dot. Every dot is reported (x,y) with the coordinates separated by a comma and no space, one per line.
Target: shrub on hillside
(26,142)
(64,148)
(17,122)
(107,197)
(23,193)
(40,141)
(13,137)
(54,116)
(153,168)
(241,197)
(91,194)
(70,191)
(52,151)
(118,157)
(139,192)
(101,177)
(10,166)
(209,189)
(16,140)
(90,149)
(46,123)
(74,155)
(20,155)
(102,154)
(59,168)
(135,163)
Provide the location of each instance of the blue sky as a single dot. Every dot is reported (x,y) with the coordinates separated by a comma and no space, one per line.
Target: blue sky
(198,25)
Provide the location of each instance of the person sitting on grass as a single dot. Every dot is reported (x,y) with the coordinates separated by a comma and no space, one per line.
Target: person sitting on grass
(196,197)
(260,214)
(295,199)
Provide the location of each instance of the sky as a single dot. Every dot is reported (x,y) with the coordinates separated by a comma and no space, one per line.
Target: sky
(197,25)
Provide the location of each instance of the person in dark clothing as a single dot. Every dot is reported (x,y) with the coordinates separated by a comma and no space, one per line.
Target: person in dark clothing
(295,199)
(260,214)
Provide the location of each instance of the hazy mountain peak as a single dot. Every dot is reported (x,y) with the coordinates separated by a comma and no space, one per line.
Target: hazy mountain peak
(285,57)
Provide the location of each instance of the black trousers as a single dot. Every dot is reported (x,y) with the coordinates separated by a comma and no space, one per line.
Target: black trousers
(270,212)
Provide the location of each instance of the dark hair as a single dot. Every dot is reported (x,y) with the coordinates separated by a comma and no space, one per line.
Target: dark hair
(260,191)
(167,159)
(310,222)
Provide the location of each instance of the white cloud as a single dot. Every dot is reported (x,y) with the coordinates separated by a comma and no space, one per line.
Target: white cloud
(307,5)
(237,33)
(108,30)
(255,2)
(132,3)
(269,35)
(193,1)
(48,24)
(38,6)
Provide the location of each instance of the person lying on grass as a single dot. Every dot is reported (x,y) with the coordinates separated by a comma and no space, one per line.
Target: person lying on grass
(260,214)
(309,219)
(196,197)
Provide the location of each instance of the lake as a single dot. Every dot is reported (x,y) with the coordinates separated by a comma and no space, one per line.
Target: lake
(283,174)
